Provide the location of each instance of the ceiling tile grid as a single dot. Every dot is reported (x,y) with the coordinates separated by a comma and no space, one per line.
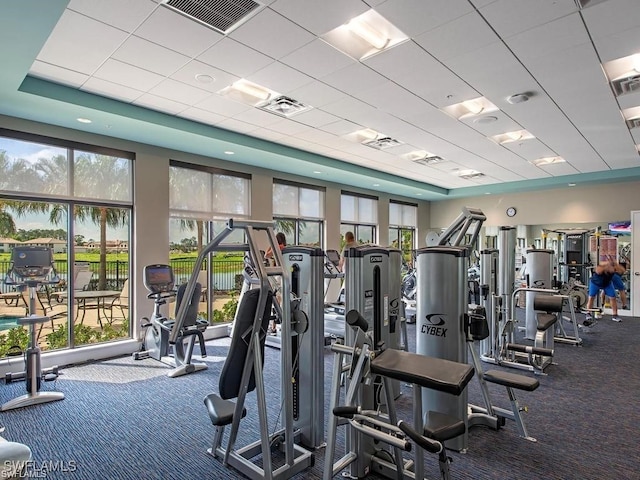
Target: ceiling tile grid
(143,53)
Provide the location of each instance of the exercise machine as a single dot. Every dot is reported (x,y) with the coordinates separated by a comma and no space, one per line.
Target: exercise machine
(375,440)
(243,368)
(159,281)
(31,267)
(442,305)
(306,267)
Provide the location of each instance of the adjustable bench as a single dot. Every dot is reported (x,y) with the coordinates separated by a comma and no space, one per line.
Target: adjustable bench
(432,373)
(548,309)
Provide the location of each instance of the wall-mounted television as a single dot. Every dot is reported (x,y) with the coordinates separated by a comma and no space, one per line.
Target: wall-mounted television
(620,227)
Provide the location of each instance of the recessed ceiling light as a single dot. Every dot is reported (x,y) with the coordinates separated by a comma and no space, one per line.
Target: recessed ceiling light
(229,152)
(487,193)
(204,78)
(376,184)
(418,194)
(368,33)
(247,92)
(486,119)
(317,172)
(83,120)
(539,162)
(514,136)
(470,108)
(572,184)
(365,35)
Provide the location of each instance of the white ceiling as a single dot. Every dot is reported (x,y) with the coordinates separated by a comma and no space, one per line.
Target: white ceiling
(142,53)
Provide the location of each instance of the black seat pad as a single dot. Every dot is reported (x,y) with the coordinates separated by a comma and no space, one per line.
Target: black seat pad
(429,372)
(512,380)
(220,411)
(545,320)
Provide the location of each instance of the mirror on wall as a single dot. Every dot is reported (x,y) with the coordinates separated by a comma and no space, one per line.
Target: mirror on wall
(577,248)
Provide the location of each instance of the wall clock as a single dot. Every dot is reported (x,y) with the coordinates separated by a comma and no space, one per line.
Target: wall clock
(511,212)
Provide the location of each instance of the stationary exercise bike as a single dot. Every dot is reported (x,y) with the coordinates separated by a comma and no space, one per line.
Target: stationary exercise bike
(159,280)
(31,267)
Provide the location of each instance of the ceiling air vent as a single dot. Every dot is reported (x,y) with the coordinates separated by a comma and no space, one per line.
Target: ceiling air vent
(581,4)
(382,143)
(626,85)
(633,123)
(472,176)
(221,15)
(431,160)
(285,106)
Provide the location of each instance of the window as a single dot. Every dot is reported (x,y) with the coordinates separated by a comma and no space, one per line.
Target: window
(358,214)
(298,212)
(201,201)
(77,200)
(403,220)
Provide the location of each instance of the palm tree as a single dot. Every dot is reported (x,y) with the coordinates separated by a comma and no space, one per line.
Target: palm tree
(17,174)
(92,173)
(190,189)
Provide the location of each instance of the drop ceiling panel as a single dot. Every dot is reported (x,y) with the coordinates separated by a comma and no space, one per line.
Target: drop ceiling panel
(235,58)
(81,44)
(57,74)
(353,79)
(508,20)
(395,100)
(620,44)
(258,117)
(222,106)
(123,14)
(559,169)
(318,94)
(611,17)
(458,37)
(128,75)
(413,68)
(202,116)
(415,17)
(315,118)
(111,90)
(317,59)
(219,78)
(319,17)
(237,126)
(272,34)
(341,127)
(546,40)
(280,78)
(160,104)
(179,92)
(150,56)
(286,126)
(180,33)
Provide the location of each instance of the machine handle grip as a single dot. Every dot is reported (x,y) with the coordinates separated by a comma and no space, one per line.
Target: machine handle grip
(427,444)
(345,412)
(354,319)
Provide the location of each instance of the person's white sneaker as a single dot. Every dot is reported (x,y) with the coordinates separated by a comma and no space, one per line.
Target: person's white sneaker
(616,319)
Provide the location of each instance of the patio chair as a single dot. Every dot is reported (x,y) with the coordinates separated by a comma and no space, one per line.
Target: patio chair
(203,280)
(121,302)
